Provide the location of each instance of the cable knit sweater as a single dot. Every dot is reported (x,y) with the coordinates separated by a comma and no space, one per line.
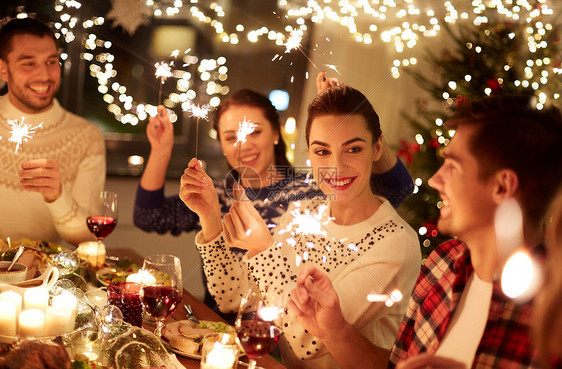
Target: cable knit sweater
(79,149)
(377,255)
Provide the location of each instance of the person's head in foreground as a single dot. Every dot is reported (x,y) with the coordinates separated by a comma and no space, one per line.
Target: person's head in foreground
(29,63)
(503,147)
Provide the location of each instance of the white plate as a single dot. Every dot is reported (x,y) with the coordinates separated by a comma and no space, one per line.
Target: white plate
(183,353)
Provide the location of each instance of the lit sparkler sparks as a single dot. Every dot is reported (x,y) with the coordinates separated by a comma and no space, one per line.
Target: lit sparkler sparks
(293,42)
(21,132)
(199,112)
(333,67)
(163,71)
(244,129)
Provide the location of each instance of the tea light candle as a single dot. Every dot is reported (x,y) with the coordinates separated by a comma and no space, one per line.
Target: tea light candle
(8,318)
(220,357)
(36,298)
(142,277)
(32,323)
(90,252)
(15,298)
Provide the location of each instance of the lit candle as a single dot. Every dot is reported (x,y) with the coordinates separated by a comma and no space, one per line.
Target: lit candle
(220,357)
(8,318)
(143,277)
(36,298)
(66,301)
(32,323)
(15,298)
(90,252)
(57,321)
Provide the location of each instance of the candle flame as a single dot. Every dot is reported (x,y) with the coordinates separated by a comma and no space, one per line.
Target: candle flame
(21,132)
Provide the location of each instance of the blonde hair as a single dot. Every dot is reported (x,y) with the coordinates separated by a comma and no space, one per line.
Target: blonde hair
(547,312)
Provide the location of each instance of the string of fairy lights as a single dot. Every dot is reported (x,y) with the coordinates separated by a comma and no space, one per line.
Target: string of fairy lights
(401,24)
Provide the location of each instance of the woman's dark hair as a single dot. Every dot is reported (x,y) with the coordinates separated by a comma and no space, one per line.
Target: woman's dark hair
(24,26)
(252,98)
(343,100)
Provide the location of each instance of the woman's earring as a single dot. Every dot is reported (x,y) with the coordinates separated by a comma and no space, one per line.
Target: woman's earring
(275,142)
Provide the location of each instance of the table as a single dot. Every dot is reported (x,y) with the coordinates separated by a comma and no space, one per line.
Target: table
(201,310)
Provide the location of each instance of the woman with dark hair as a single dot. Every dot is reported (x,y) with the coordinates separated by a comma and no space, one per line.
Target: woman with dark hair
(362,245)
(270,181)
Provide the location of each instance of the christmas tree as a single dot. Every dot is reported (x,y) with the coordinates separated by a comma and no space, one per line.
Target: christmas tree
(486,58)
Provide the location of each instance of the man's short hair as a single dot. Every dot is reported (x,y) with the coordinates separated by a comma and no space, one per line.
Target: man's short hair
(511,133)
(24,26)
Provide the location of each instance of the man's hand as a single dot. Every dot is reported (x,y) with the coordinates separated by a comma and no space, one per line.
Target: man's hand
(424,361)
(43,176)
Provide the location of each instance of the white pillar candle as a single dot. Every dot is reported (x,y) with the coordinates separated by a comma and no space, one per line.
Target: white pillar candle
(36,298)
(57,321)
(66,301)
(90,252)
(32,323)
(14,298)
(7,318)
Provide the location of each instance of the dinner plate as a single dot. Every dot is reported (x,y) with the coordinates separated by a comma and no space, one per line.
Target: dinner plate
(116,272)
(202,324)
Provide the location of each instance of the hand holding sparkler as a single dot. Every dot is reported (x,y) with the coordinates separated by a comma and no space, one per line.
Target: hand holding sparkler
(160,133)
(315,302)
(42,176)
(198,193)
(244,227)
(323,82)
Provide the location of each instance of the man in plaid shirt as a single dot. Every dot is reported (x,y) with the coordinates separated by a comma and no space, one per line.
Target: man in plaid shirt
(457,317)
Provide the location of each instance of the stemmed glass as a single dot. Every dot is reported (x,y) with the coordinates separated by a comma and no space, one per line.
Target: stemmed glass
(255,327)
(102,215)
(161,287)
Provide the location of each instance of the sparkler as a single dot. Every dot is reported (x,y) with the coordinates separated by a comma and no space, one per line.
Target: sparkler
(199,112)
(163,72)
(294,43)
(244,129)
(21,132)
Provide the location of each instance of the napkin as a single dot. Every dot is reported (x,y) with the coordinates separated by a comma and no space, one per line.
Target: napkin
(174,363)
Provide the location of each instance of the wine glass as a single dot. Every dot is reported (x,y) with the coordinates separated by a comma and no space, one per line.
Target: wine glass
(102,216)
(161,287)
(255,327)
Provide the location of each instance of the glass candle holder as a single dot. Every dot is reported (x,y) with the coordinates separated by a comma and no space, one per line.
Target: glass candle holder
(219,351)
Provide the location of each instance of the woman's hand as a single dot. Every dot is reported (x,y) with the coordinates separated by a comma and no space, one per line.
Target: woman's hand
(316,304)
(160,132)
(198,193)
(243,226)
(323,82)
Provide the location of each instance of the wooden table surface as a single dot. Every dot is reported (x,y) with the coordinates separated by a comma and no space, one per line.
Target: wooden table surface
(201,310)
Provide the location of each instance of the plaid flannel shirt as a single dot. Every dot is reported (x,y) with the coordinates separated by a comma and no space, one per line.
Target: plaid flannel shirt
(506,339)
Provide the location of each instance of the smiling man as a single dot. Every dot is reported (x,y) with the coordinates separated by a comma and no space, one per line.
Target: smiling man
(46,185)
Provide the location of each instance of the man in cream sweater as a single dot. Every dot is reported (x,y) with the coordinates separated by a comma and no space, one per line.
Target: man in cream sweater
(45,187)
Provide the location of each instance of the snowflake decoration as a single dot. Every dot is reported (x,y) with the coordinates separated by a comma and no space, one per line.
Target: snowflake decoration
(129,14)
(21,132)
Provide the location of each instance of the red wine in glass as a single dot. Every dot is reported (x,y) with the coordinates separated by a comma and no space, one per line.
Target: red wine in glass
(258,338)
(101,226)
(161,301)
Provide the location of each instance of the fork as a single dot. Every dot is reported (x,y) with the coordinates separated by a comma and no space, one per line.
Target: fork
(190,314)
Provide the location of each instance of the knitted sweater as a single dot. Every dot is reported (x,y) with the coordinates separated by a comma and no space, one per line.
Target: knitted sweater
(377,255)
(78,148)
